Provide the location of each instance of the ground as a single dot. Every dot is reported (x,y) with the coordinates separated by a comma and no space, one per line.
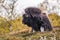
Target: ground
(55,34)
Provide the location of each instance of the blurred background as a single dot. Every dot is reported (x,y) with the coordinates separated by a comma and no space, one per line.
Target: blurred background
(11,12)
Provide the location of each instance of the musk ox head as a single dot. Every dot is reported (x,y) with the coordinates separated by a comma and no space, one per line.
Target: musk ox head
(31,13)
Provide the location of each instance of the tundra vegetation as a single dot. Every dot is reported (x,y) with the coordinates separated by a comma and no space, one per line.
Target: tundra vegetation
(21,31)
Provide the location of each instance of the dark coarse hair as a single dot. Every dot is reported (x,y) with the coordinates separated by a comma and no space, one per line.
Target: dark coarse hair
(34,18)
(32,10)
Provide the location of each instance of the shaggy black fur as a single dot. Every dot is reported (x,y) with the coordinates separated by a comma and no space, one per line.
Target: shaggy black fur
(35,19)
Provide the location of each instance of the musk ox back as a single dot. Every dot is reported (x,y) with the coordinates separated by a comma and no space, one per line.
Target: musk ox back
(34,18)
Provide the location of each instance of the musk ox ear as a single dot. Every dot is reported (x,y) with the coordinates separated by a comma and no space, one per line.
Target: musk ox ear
(32,10)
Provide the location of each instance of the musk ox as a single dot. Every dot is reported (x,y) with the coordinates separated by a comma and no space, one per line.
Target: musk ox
(37,20)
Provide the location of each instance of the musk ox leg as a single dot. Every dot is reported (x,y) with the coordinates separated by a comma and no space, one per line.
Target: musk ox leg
(42,29)
(32,30)
(50,28)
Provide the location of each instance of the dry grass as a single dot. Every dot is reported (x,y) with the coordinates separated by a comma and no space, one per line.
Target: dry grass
(32,36)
